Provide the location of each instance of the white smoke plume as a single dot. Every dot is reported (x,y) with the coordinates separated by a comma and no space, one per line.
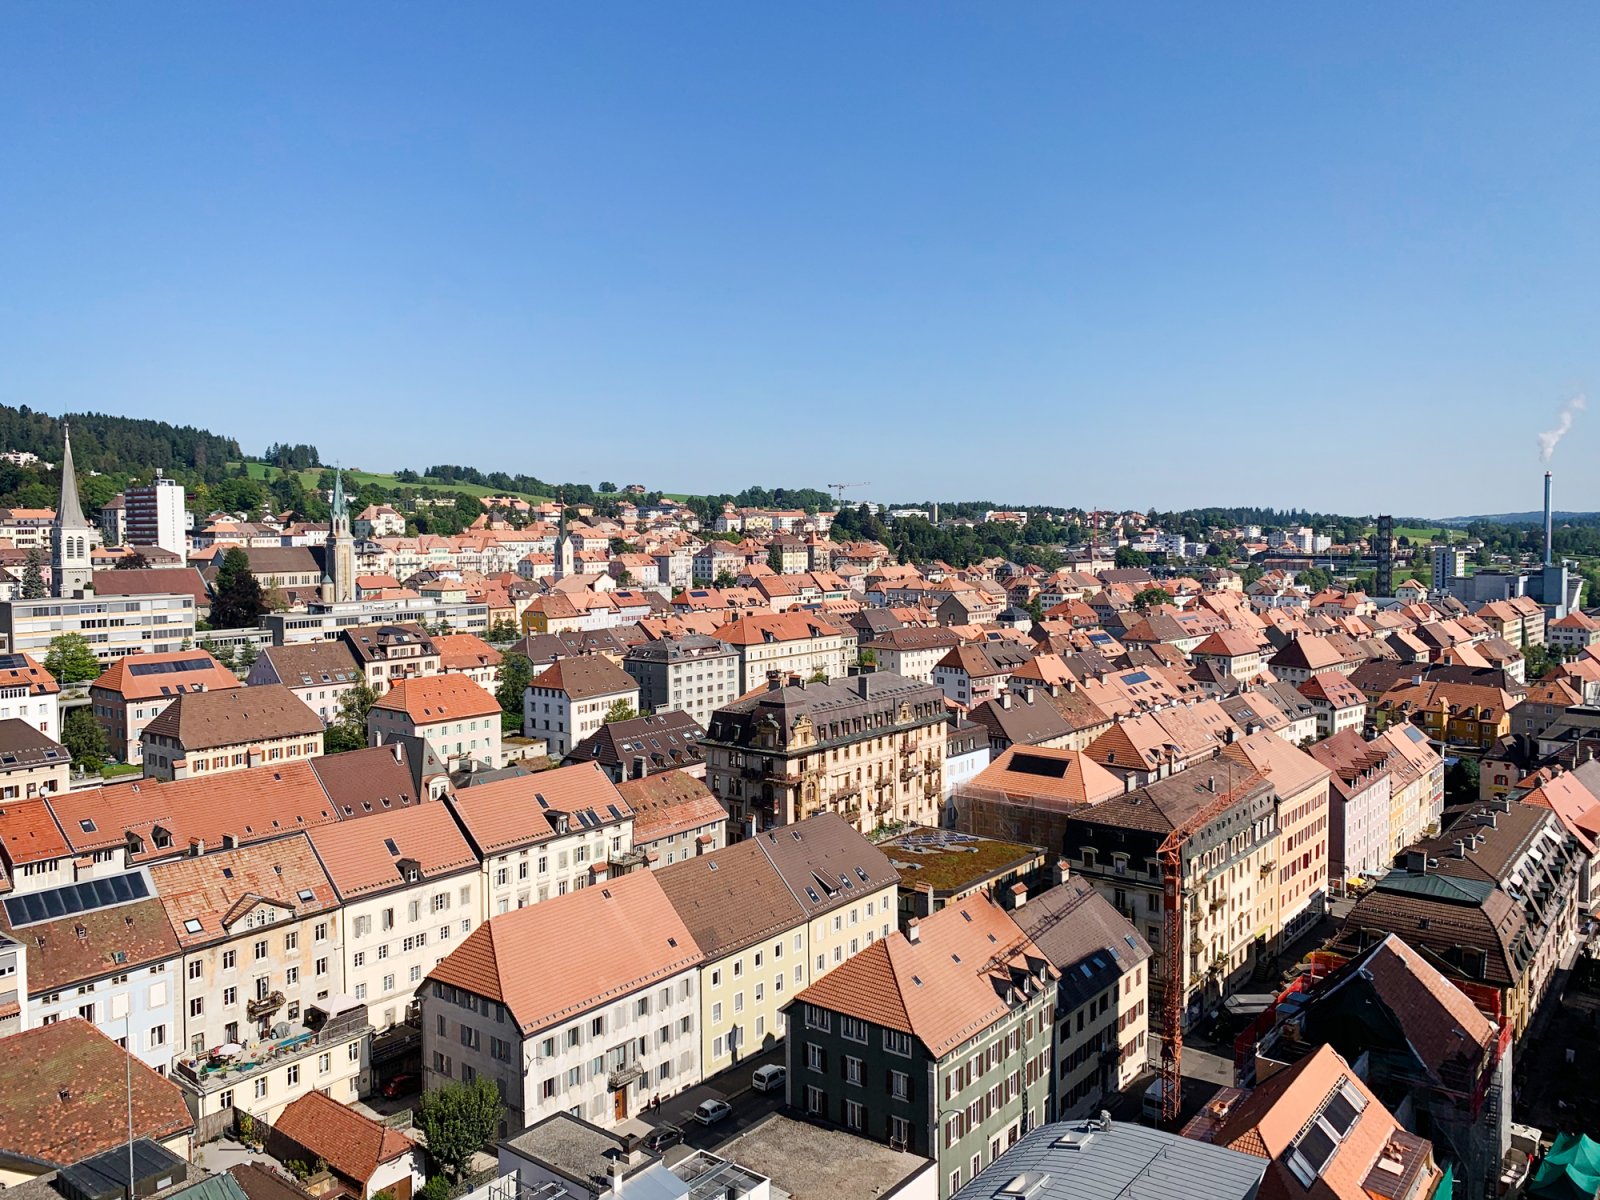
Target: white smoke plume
(1549,438)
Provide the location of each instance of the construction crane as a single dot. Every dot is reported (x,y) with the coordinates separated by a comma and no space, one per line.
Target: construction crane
(1170,856)
(838,489)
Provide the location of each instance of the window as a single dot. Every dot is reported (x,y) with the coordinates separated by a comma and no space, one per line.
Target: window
(899,1085)
(196,1006)
(197,968)
(852,1071)
(324,1063)
(230,959)
(261,1089)
(292,1074)
(816,1103)
(853,1029)
(261,949)
(230,996)
(818,1018)
(816,1058)
(158,1036)
(291,941)
(896,1042)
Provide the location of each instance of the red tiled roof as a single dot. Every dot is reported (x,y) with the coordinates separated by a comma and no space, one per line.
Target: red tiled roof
(352,1143)
(358,859)
(429,699)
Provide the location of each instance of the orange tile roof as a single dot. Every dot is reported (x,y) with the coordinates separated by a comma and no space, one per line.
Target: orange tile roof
(217,889)
(250,805)
(64,1095)
(29,833)
(122,678)
(352,1143)
(429,699)
(29,674)
(463,651)
(632,939)
(669,802)
(1066,775)
(508,812)
(357,857)
(942,989)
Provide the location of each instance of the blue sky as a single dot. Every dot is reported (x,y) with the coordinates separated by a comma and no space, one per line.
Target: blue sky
(1114,255)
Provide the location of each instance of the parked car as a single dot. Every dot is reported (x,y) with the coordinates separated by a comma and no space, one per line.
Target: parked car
(711,1111)
(662,1137)
(399,1085)
(769,1078)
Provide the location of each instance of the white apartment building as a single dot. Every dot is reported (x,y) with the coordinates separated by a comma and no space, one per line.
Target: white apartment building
(608,1023)
(544,835)
(569,700)
(409,882)
(155,516)
(29,693)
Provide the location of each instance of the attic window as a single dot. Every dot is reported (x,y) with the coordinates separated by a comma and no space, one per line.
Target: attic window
(227,872)
(306,895)
(192,926)
(388,844)
(86,825)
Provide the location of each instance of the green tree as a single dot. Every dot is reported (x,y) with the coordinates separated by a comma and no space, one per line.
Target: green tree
(71,659)
(132,561)
(1461,781)
(724,579)
(33,576)
(516,672)
(458,1119)
(84,739)
(236,599)
(348,730)
(1149,597)
(621,711)
(775,559)
(607,486)
(1313,578)
(246,658)
(1127,556)
(503,630)
(867,657)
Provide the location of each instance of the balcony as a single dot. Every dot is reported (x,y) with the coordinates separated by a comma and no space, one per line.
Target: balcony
(214,1071)
(620,1077)
(264,1006)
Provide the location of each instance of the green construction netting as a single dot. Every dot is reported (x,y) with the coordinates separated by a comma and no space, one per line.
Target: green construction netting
(1570,1171)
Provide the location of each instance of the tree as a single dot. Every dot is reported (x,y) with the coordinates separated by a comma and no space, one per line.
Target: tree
(516,672)
(236,599)
(607,486)
(818,676)
(33,576)
(621,711)
(71,659)
(868,657)
(132,561)
(1461,781)
(458,1119)
(724,579)
(1127,556)
(1313,578)
(503,630)
(221,653)
(84,739)
(349,728)
(246,658)
(775,559)
(1149,597)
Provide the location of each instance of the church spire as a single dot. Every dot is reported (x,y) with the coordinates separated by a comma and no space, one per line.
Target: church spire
(69,513)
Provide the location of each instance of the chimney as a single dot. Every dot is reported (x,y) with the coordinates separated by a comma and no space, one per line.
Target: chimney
(1060,871)
(638,766)
(1547,519)
(197,846)
(913,931)
(399,751)
(1055,689)
(1027,694)
(1019,894)
(1005,699)
(773,681)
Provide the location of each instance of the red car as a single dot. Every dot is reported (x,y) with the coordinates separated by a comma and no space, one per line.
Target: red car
(400,1085)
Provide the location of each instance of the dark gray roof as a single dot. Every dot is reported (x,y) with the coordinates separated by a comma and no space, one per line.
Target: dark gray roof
(664,740)
(1086,939)
(23,746)
(831,707)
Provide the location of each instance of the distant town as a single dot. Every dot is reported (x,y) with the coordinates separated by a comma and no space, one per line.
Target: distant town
(443,834)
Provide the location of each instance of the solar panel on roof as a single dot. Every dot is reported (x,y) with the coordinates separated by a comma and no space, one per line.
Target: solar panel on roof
(74,898)
(13,662)
(169,668)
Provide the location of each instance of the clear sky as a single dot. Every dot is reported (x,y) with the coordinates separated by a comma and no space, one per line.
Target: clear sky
(1114,255)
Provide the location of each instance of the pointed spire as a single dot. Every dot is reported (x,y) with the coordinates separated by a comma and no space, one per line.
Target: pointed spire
(338,494)
(69,513)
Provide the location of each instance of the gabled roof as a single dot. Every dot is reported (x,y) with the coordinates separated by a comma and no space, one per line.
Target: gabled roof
(350,1142)
(64,1095)
(207,895)
(1038,772)
(669,802)
(143,676)
(234,717)
(951,983)
(430,699)
(518,811)
(374,854)
(372,779)
(464,651)
(632,939)
(585,677)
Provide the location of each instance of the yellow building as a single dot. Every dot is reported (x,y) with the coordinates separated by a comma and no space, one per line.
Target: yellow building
(772,914)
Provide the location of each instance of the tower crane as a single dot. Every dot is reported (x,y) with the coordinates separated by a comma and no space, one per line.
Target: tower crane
(838,489)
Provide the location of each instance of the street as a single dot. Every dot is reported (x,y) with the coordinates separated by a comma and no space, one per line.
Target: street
(732,1085)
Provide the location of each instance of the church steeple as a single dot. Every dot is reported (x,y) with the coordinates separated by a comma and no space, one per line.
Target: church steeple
(563,554)
(339,555)
(70,567)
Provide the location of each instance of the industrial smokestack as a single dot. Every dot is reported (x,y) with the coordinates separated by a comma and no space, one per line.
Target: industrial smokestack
(1547,537)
